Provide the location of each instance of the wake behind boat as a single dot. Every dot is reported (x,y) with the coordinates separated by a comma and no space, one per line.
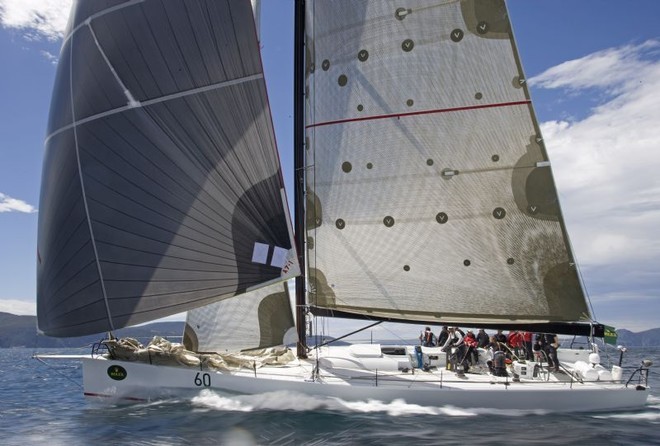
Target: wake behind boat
(424,194)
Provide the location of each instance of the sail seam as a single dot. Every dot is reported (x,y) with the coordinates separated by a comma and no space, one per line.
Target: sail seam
(84,195)
(100,14)
(417,113)
(165,98)
(131,100)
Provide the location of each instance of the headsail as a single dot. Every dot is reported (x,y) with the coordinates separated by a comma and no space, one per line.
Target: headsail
(430,194)
(258,319)
(162,189)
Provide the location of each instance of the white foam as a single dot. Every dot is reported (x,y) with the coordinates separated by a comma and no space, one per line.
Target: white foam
(400,407)
(653,400)
(287,400)
(644,416)
(281,400)
(211,400)
(397,407)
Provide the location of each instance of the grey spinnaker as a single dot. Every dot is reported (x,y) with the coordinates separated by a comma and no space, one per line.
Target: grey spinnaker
(161,188)
(430,193)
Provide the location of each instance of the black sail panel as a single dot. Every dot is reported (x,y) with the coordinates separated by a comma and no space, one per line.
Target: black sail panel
(161,145)
(66,263)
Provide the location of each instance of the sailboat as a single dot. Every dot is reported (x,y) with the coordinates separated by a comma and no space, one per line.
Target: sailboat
(423,194)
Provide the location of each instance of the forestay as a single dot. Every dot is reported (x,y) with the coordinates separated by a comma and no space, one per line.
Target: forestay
(162,189)
(430,193)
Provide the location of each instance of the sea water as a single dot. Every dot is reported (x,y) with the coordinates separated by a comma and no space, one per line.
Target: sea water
(43,404)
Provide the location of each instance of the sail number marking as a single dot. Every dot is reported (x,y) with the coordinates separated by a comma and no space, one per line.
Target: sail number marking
(202,379)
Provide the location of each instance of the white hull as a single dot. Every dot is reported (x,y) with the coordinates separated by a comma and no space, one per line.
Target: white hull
(437,387)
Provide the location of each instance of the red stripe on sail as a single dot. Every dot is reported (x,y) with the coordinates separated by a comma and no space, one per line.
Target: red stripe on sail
(422,112)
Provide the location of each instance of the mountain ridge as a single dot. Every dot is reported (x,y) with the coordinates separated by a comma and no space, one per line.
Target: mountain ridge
(21,331)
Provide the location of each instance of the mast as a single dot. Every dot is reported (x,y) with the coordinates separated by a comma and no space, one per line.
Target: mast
(299,167)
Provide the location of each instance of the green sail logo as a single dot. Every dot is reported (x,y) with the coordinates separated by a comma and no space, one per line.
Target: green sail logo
(117,372)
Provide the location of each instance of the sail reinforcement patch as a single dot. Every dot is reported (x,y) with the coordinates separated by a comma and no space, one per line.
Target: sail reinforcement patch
(279,257)
(260,253)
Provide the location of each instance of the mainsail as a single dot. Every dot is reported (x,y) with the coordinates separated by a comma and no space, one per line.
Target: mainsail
(162,189)
(430,193)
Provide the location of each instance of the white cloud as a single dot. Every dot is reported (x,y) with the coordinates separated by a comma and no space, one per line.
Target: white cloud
(606,164)
(50,56)
(36,18)
(612,68)
(9,204)
(18,307)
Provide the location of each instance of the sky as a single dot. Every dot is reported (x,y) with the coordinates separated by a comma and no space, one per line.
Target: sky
(593,67)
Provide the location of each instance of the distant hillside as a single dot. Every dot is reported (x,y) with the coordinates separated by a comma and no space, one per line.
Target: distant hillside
(21,331)
(648,338)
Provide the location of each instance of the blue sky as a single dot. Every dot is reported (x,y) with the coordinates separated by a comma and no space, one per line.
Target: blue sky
(594,70)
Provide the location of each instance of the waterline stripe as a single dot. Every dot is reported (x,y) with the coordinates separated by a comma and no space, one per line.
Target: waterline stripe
(101,395)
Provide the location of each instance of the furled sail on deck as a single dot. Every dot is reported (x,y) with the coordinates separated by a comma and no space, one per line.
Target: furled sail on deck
(430,194)
(162,189)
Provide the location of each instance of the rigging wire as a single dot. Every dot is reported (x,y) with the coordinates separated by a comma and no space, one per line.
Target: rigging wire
(57,371)
(347,335)
(579,272)
(35,355)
